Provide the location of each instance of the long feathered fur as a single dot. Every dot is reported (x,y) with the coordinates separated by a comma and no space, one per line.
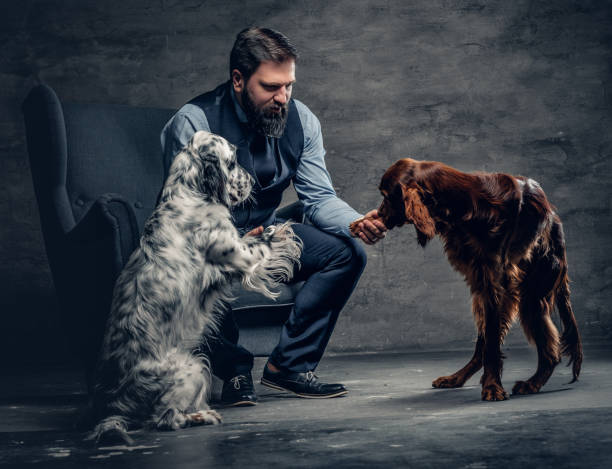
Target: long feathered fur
(173,289)
(507,240)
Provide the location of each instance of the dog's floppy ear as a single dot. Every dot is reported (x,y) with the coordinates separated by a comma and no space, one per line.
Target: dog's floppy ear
(417,213)
(212,180)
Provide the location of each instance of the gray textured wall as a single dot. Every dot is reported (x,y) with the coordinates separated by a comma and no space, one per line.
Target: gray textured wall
(521,87)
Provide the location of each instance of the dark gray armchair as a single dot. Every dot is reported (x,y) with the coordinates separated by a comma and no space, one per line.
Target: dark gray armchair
(97,171)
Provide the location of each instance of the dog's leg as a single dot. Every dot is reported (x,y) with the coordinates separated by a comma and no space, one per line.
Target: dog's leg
(492,389)
(539,328)
(184,402)
(234,254)
(537,300)
(493,328)
(285,249)
(458,379)
(262,261)
(174,419)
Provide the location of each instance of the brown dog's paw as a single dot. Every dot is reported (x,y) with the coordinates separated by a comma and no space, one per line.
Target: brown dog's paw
(447,382)
(494,392)
(524,387)
(354,227)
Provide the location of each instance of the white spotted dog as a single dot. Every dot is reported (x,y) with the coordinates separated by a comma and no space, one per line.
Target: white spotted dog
(173,289)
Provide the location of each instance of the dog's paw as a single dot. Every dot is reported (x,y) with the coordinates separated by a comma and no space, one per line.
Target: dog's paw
(354,227)
(447,382)
(524,387)
(204,417)
(171,420)
(268,233)
(494,392)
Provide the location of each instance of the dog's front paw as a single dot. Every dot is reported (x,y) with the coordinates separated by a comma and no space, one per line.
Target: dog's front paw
(524,387)
(268,234)
(451,381)
(354,227)
(494,392)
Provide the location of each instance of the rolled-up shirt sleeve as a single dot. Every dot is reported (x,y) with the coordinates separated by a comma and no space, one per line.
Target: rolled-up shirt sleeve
(313,184)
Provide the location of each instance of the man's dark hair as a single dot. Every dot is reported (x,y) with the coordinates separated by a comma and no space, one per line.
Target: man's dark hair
(256,45)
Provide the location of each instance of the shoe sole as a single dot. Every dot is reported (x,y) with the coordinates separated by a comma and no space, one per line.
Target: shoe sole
(272,385)
(240,404)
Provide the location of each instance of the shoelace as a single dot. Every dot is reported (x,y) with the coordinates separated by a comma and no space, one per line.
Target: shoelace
(236,381)
(310,376)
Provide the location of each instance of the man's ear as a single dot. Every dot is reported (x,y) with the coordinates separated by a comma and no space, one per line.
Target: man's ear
(238,81)
(417,213)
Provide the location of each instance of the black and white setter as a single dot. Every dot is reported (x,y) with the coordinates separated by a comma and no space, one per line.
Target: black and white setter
(173,288)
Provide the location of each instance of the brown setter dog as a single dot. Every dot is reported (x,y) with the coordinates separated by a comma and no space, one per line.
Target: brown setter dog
(504,236)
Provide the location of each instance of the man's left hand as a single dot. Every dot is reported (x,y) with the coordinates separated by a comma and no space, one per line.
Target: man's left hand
(371,229)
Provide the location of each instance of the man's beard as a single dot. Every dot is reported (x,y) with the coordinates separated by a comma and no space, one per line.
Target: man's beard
(268,123)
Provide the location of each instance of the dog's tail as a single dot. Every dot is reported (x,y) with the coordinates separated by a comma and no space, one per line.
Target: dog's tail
(112,429)
(571,345)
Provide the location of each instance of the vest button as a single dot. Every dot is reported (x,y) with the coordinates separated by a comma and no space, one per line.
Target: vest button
(138,204)
(80,202)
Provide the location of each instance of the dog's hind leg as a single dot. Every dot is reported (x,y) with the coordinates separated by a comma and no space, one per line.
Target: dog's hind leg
(535,310)
(184,402)
(538,326)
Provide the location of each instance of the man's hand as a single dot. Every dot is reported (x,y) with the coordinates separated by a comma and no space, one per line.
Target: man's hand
(369,228)
(255,231)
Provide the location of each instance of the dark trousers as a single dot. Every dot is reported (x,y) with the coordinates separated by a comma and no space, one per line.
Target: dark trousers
(331,267)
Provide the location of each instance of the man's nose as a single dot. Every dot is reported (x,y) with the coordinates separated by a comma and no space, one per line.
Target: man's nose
(282,96)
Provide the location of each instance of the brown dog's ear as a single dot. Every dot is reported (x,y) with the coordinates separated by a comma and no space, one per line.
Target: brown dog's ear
(417,213)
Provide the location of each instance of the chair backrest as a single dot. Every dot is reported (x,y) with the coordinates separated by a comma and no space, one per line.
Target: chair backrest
(81,151)
(114,149)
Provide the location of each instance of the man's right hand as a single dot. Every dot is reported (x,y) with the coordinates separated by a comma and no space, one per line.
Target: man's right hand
(370,229)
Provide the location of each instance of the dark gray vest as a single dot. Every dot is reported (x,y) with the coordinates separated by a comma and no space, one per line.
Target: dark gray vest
(223,120)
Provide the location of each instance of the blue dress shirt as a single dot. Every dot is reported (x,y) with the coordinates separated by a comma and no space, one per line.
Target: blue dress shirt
(312,182)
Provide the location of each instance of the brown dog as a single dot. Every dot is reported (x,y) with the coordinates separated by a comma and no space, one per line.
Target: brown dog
(504,236)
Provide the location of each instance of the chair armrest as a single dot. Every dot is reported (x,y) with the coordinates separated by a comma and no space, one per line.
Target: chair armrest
(92,256)
(293,212)
(110,220)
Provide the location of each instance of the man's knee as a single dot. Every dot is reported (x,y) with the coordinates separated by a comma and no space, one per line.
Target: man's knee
(359,256)
(353,256)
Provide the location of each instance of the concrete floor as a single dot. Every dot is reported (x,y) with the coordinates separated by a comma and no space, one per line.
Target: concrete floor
(391,418)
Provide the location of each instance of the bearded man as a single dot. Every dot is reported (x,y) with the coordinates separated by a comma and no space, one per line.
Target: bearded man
(279,141)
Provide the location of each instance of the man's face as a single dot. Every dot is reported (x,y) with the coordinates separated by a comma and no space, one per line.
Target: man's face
(265,96)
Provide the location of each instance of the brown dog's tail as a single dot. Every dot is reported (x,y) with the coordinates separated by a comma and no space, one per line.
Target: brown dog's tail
(571,345)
